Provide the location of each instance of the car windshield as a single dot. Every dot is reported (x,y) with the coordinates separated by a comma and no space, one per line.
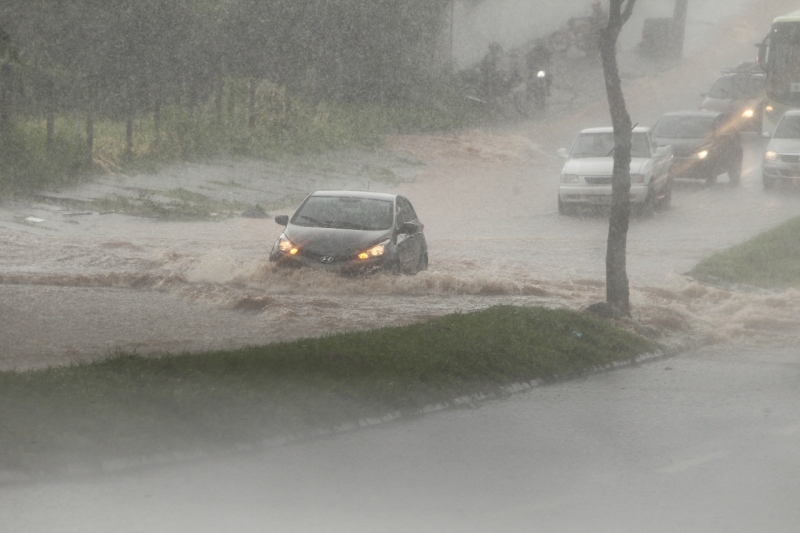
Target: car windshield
(602,145)
(684,127)
(345,212)
(788,128)
(737,87)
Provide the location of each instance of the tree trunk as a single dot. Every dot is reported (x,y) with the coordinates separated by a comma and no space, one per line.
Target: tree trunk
(678,31)
(617,290)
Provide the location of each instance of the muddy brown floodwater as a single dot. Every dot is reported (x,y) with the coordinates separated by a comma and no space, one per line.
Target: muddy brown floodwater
(77,285)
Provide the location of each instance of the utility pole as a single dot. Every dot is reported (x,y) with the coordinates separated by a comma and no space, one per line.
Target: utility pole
(678,28)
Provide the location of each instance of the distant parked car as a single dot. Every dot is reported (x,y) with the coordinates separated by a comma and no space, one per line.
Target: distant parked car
(705,144)
(352,232)
(740,94)
(782,155)
(586,175)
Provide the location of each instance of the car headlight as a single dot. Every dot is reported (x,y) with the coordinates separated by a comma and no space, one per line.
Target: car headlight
(286,246)
(637,178)
(702,154)
(771,155)
(541,74)
(769,109)
(748,113)
(376,251)
(570,178)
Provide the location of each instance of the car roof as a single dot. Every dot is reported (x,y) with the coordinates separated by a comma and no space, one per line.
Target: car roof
(610,129)
(356,194)
(742,75)
(792,113)
(693,113)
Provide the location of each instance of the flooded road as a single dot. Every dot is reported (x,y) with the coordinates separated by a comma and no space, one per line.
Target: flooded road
(78,286)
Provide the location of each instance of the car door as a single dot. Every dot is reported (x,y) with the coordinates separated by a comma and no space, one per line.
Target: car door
(408,245)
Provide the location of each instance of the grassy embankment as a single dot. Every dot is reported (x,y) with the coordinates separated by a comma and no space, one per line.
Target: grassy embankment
(770,261)
(132,406)
(277,125)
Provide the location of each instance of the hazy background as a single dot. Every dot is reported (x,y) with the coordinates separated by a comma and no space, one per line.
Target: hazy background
(512,22)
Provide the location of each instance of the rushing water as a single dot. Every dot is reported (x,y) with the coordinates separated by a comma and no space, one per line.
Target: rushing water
(74,288)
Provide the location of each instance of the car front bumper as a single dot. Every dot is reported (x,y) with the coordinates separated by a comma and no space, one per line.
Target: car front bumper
(331,264)
(781,170)
(692,167)
(597,195)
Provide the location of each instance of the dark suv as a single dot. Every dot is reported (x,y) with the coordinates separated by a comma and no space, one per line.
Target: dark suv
(740,94)
(704,144)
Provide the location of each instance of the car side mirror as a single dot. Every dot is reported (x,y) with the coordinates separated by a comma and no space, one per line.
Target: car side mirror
(409,228)
(283,220)
(563,153)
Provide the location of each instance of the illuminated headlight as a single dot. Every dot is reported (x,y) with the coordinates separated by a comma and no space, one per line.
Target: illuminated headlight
(702,154)
(541,74)
(748,113)
(769,109)
(637,178)
(771,156)
(570,178)
(286,246)
(376,251)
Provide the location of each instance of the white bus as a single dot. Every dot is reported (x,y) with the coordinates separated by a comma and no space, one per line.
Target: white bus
(779,56)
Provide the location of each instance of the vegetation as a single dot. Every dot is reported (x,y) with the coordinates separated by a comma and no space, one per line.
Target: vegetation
(88,85)
(131,406)
(770,260)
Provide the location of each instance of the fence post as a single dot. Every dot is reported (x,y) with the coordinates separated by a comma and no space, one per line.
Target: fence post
(90,98)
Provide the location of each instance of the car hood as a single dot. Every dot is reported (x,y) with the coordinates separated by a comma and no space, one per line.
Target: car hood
(683,147)
(726,105)
(600,166)
(330,241)
(784,146)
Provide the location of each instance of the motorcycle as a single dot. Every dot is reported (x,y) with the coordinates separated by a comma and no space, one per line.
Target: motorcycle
(539,87)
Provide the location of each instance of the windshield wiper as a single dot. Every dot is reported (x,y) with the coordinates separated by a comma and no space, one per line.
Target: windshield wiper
(350,225)
(315,221)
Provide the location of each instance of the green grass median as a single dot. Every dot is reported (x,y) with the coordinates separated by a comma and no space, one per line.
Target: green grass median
(770,260)
(133,406)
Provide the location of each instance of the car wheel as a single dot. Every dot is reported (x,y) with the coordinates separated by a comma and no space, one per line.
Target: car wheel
(735,170)
(562,208)
(423,262)
(769,183)
(648,208)
(395,269)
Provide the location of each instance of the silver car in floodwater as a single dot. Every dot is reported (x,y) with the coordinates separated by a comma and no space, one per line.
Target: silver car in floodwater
(782,155)
(586,175)
(352,232)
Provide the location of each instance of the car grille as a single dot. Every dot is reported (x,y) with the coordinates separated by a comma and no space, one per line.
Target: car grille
(598,180)
(325,259)
(790,158)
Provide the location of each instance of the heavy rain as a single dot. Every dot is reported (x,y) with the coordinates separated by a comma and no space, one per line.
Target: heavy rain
(80,279)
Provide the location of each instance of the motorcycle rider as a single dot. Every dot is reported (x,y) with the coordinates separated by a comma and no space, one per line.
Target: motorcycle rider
(538,62)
